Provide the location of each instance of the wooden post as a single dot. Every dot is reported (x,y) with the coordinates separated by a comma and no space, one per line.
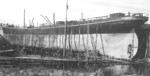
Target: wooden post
(64,42)
(79,43)
(102,41)
(71,43)
(59,45)
(148,50)
(96,43)
(65,28)
(87,50)
(84,45)
(147,53)
(75,42)
(49,39)
(32,39)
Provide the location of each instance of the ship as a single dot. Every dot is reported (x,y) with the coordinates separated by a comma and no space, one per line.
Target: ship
(115,35)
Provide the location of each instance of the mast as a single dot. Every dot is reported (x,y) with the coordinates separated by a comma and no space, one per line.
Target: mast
(82,16)
(24,19)
(32,22)
(66,27)
(53,18)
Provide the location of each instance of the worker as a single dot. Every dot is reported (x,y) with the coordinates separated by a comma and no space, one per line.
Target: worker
(130,50)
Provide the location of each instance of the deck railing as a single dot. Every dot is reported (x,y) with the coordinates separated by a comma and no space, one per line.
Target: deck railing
(108,17)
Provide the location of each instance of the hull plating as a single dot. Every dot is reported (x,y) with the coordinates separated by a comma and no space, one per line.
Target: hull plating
(106,38)
(109,44)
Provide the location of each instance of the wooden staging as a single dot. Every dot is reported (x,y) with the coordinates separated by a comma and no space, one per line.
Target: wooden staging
(48,60)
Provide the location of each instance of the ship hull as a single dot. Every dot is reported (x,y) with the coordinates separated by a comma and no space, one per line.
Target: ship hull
(108,38)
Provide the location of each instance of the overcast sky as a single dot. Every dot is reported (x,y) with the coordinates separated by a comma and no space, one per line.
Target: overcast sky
(11,11)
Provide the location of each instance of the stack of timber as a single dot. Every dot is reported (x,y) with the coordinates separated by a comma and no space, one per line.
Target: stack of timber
(54,60)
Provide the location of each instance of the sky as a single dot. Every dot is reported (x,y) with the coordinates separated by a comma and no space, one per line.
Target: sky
(11,11)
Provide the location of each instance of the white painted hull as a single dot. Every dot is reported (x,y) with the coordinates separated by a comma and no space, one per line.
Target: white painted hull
(108,44)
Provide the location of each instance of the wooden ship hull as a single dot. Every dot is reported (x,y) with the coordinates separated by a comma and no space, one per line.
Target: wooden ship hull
(114,37)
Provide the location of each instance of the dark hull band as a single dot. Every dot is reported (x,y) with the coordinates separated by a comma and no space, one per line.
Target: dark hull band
(101,28)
